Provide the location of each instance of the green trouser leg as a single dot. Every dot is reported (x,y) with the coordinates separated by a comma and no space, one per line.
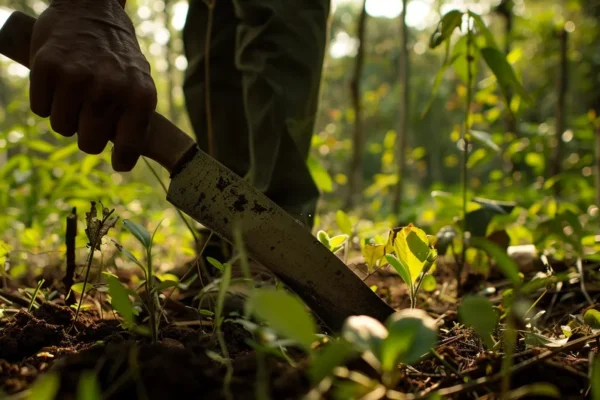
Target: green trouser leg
(265,65)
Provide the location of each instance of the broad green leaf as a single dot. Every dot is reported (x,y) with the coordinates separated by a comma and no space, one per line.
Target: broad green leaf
(592,318)
(120,299)
(88,387)
(373,253)
(595,378)
(402,269)
(343,222)
(505,264)
(484,139)
(45,387)
(504,72)
(285,314)
(478,313)
(411,334)
(411,246)
(483,29)
(364,333)
(334,354)
(320,175)
(140,233)
(449,22)
(429,284)
(337,241)
(215,263)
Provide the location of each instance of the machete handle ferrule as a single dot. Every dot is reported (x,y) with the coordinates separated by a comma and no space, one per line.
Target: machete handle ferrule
(166,144)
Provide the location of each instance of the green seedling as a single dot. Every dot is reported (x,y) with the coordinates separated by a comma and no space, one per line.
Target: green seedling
(334,244)
(153,286)
(415,254)
(32,302)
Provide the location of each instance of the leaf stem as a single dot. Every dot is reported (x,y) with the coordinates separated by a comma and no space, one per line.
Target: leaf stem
(465,158)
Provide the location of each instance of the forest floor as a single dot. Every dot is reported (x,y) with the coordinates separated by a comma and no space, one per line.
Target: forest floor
(48,339)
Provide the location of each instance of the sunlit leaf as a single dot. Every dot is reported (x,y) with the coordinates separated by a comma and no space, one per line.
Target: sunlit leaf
(592,318)
(285,314)
(411,334)
(478,313)
(337,241)
(343,222)
(412,248)
(373,253)
(402,269)
(320,175)
(429,284)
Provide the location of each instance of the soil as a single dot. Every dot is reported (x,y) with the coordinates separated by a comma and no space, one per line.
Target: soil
(182,364)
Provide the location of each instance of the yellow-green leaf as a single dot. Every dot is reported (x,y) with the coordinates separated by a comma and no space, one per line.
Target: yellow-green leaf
(337,241)
(412,249)
(372,254)
(343,222)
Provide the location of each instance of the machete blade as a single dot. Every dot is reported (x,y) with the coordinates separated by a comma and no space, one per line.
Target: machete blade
(218,198)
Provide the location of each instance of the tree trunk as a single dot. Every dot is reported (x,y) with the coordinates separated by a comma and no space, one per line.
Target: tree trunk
(556,160)
(358,139)
(403,112)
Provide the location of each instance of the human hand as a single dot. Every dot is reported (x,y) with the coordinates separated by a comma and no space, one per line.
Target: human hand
(89,76)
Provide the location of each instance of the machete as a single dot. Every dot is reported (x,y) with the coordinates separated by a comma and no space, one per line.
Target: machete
(217,198)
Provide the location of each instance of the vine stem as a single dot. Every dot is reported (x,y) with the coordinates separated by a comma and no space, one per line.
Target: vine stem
(465,158)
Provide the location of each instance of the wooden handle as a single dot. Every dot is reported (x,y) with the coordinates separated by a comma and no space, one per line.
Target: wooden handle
(166,144)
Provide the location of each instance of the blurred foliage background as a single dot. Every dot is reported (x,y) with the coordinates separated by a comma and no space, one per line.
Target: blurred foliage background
(43,176)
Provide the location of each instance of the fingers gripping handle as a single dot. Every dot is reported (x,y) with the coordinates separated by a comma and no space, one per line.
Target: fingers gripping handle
(166,144)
